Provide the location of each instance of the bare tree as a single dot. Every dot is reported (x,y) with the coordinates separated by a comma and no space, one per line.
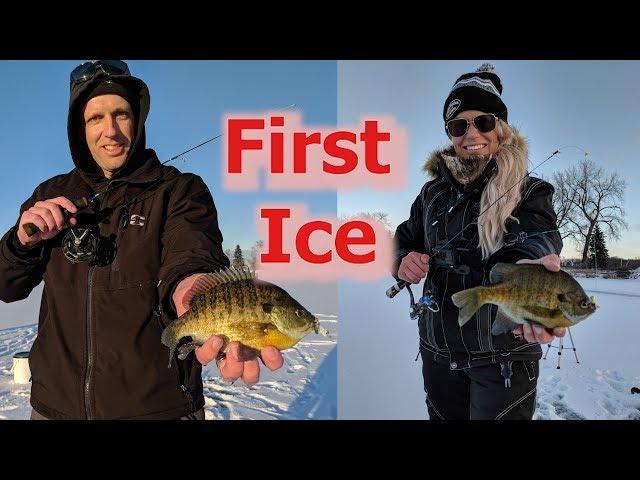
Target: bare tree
(255,251)
(377,216)
(589,196)
(563,203)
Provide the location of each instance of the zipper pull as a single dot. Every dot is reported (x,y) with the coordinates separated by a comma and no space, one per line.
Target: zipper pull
(506,372)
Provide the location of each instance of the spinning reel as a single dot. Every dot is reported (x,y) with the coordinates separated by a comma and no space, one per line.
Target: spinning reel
(426,302)
(85,244)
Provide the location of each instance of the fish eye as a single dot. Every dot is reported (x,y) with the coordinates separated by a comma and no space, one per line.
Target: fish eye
(584,304)
(299,312)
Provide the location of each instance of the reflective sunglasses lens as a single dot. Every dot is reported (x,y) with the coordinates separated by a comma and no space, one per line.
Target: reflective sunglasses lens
(485,123)
(457,127)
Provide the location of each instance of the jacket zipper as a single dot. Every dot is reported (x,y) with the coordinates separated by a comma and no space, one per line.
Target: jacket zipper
(90,347)
(89,371)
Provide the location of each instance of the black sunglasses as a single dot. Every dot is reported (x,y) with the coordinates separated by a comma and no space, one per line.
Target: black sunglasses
(88,70)
(459,126)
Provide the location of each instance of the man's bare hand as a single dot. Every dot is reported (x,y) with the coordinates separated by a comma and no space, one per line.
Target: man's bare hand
(47,216)
(234,365)
(180,293)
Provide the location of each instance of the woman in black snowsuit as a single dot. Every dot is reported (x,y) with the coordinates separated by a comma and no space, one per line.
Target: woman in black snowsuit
(468,372)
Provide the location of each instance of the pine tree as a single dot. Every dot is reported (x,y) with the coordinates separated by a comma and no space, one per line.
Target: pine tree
(601,254)
(238,259)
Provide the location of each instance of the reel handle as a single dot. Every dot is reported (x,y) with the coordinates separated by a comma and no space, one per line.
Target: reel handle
(396,288)
(81,203)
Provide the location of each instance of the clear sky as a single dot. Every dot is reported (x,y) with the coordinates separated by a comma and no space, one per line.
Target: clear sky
(188,99)
(592,104)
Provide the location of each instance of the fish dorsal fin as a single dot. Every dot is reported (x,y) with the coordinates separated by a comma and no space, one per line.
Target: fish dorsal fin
(206,282)
(501,271)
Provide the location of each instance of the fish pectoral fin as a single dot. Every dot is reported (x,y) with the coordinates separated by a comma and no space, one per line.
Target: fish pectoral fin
(503,323)
(186,349)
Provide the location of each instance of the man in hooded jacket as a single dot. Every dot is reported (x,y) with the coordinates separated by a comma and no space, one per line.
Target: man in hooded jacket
(98,353)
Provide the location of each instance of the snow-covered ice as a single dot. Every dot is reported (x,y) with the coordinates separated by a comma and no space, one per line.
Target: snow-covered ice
(14,398)
(608,348)
(378,377)
(305,387)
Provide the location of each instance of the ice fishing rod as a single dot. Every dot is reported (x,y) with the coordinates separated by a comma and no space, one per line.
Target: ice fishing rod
(427,302)
(84,202)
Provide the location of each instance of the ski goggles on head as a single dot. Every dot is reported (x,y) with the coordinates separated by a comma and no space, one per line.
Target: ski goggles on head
(459,126)
(88,70)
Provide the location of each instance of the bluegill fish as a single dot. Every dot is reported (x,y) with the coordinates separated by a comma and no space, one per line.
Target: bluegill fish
(527,293)
(232,303)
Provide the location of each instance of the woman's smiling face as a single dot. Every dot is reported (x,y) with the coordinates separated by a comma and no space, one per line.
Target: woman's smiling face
(473,142)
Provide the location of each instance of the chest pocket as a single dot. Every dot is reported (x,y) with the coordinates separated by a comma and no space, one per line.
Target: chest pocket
(137,234)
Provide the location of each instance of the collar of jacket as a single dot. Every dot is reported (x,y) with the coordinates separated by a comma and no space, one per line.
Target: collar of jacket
(148,171)
(476,185)
(435,165)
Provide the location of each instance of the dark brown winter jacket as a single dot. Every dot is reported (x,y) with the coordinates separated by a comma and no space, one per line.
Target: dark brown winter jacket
(98,353)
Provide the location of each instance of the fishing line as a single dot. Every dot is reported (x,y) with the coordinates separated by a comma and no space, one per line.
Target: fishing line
(427,301)
(84,202)
(81,244)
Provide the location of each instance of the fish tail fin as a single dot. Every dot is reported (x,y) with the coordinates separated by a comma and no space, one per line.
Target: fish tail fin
(170,339)
(166,336)
(171,357)
(468,301)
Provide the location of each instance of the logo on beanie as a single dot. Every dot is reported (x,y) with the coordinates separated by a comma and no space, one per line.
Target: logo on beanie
(453,107)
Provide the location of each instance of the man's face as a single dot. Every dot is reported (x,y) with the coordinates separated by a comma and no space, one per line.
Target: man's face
(109,130)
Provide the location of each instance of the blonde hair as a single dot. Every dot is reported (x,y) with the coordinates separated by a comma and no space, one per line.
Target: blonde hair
(513,162)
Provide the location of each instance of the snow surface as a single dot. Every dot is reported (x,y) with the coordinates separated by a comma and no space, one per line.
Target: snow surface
(305,387)
(378,377)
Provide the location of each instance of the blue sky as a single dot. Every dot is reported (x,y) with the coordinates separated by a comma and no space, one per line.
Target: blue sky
(592,104)
(188,99)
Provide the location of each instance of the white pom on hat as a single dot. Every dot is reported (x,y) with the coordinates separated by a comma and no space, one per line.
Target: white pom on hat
(486,67)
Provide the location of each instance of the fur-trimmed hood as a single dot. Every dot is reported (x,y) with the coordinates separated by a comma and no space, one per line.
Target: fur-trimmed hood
(516,142)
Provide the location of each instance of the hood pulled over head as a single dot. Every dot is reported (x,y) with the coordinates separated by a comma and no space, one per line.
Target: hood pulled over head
(132,89)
